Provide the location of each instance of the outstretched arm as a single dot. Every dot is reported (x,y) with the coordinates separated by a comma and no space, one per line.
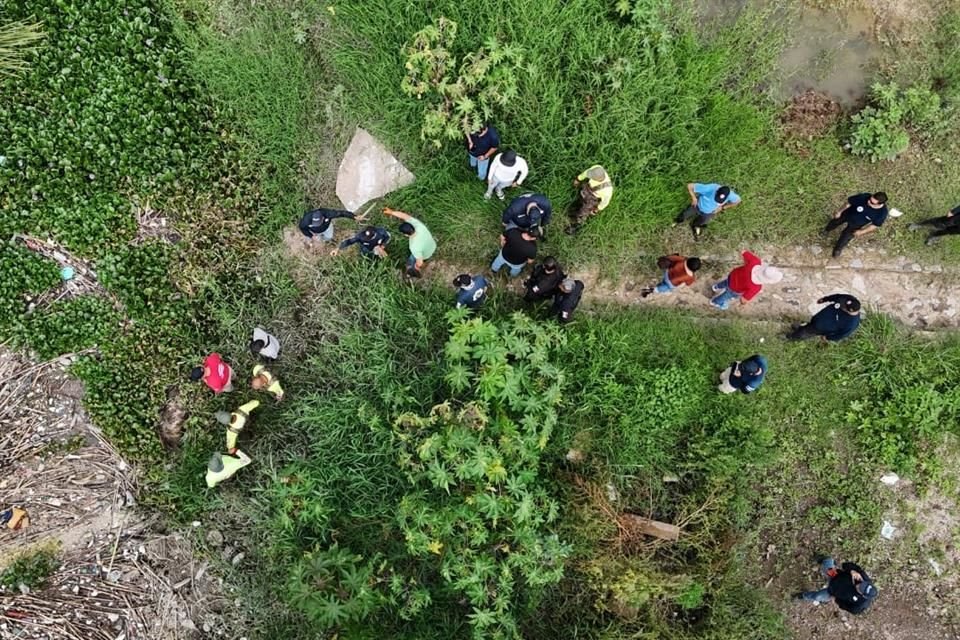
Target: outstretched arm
(396,214)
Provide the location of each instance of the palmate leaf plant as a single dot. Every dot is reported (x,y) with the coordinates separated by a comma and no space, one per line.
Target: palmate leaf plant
(477,508)
(458,96)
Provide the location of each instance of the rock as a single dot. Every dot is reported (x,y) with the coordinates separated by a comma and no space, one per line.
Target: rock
(856,263)
(237,559)
(368,171)
(791,289)
(214,538)
(816,249)
(916,267)
(113,617)
(113,576)
(859,284)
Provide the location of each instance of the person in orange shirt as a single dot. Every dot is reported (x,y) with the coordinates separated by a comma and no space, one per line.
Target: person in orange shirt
(677,272)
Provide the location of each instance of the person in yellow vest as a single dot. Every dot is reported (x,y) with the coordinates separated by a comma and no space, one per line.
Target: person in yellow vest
(596,189)
(223,465)
(263,379)
(236,421)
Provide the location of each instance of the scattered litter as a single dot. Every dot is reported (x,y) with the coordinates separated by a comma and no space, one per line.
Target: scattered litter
(575,456)
(612,494)
(890,479)
(671,477)
(14,518)
(895,213)
(67,273)
(887,531)
(937,569)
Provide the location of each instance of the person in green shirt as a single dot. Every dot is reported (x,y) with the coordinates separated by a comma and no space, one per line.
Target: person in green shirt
(422,244)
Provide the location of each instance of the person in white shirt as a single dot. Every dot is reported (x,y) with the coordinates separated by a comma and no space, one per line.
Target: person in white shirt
(507,170)
(265,344)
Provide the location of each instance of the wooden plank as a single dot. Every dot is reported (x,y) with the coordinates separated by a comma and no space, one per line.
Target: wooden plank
(654,528)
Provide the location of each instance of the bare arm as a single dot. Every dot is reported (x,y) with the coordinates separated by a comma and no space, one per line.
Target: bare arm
(841,210)
(387,211)
(693,194)
(862,231)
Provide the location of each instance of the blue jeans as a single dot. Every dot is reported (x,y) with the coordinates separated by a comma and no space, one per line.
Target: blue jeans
(723,300)
(481,165)
(823,595)
(499,263)
(666,286)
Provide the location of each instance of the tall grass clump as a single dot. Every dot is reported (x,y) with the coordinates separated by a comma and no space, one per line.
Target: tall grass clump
(17,40)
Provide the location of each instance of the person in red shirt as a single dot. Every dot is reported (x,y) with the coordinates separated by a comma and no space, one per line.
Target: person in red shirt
(216,373)
(677,272)
(745,282)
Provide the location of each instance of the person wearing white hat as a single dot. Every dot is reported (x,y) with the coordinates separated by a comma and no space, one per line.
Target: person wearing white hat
(745,282)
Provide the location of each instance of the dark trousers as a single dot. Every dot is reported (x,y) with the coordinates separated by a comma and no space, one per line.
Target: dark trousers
(802,332)
(585,207)
(845,236)
(944,226)
(693,213)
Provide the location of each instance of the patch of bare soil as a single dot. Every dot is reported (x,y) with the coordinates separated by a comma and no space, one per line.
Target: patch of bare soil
(118,578)
(809,115)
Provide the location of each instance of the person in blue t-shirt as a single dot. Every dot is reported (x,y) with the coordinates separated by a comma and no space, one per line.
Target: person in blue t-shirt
(706,201)
(834,322)
(481,146)
(471,290)
(744,376)
(864,213)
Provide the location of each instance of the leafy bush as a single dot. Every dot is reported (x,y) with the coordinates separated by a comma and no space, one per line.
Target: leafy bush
(31,569)
(71,325)
(22,273)
(882,130)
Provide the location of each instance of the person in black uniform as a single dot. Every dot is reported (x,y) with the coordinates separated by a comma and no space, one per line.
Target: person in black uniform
(566,299)
(834,322)
(544,281)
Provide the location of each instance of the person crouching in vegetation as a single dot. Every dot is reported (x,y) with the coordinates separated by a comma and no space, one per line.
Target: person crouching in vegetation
(471,290)
(947,225)
(864,213)
(849,587)
(235,422)
(567,298)
(834,322)
(507,170)
(544,280)
(745,282)
(596,189)
(677,272)
(317,225)
(744,376)
(224,465)
(264,344)
(422,244)
(706,201)
(215,373)
(373,242)
(263,379)
(527,211)
(480,148)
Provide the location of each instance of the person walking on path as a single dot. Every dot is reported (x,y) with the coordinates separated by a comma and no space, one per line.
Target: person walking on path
(480,148)
(421,241)
(744,376)
(596,190)
(527,211)
(706,201)
(235,422)
(507,170)
(471,290)
(947,225)
(864,213)
(838,320)
(544,280)
(317,224)
(849,587)
(263,379)
(215,373)
(224,465)
(745,281)
(518,248)
(567,298)
(677,272)
(373,242)
(264,344)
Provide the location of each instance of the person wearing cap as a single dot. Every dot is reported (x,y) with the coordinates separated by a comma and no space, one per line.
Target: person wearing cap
(518,248)
(224,465)
(744,376)
(317,224)
(263,379)
(235,422)
(480,148)
(567,298)
(507,170)
(864,213)
(596,190)
(264,344)
(544,280)
(527,211)
(471,290)
(215,373)
(745,281)
(677,272)
(421,241)
(373,242)
(838,320)
(849,587)
(947,225)
(706,201)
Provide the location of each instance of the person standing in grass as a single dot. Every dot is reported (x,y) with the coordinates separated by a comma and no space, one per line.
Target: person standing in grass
(507,170)
(947,225)
(480,148)
(567,299)
(744,376)
(264,344)
(527,211)
(864,213)
(422,244)
(215,373)
(677,272)
(317,224)
(518,248)
(745,282)
(849,587)
(833,323)
(596,190)
(706,201)
(544,280)
(471,290)
(373,242)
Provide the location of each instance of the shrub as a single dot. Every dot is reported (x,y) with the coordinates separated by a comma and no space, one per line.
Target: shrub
(22,273)
(882,130)
(30,569)
(70,325)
